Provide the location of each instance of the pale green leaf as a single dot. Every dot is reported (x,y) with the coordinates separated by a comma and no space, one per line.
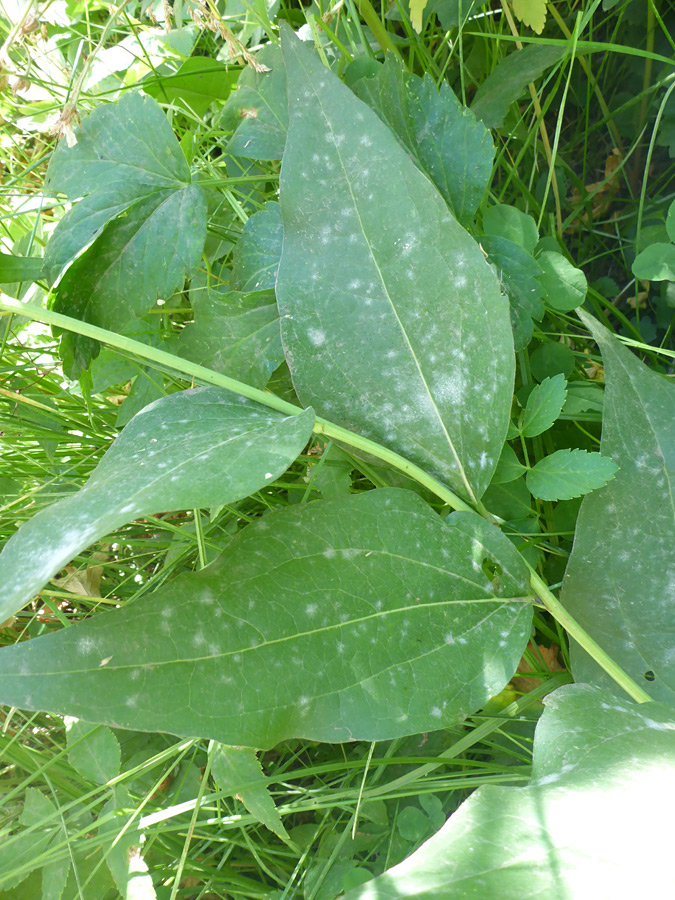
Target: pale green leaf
(620,579)
(531,13)
(20,268)
(236,334)
(565,285)
(257,112)
(197,448)
(416,10)
(442,136)
(93,750)
(509,222)
(366,618)
(54,879)
(589,825)
(505,83)
(544,405)
(409,343)
(655,263)
(258,251)
(126,161)
(123,855)
(196,84)
(237,770)
(38,809)
(569,473)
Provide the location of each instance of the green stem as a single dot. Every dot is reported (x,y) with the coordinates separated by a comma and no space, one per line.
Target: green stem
(335,432)
(372,20)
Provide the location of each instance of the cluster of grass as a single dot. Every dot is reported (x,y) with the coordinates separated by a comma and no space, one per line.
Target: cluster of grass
(587,152)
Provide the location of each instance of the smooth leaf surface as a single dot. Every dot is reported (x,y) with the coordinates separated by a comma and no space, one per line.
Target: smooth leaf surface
(508,80)
(565,285)
(442,136)
(20,268)
(670,221)
(233,333)
(196,448)
(619,582)
(409,341)
(589,825)
(257,111)
(258,251)
(544,405)
(518,275)
(126,161)
(363,618)
(655,263)
(238,770)
(566,474)
(512,224)
(509,467)
(197,83)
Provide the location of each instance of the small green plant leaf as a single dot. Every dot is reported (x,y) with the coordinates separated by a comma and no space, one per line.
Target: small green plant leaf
(196,84)
(196,448)
(544,405)
(20,268)
(619,582)
(550,359)
(236,334)
(93,750)
(508,80)
(602,771)
(569,473)
(258,251)
(564,284)
(257,112)
(531,13)
(123,843)
(509,222)
(410,343)
(416,10)
(126,161)
(655,263)
(237,770)
(365,618)
(442,136)
(509,467)
(519,277)
(670,222)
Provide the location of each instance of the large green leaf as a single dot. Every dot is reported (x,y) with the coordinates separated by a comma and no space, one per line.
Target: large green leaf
(363,618)
(258,250)
(237,334)
(443,137)
(392,321)
(197,448)
(590,825)
(139,228)
(620,579)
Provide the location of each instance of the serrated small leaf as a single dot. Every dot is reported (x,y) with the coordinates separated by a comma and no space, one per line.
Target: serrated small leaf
(197,448)
(508,468)
(38,809)
(237,770)
(258,251)
(586,827)
(566,474)
(655,263)
(544,405)
(410,344)
(564,284)
(54,879)
(416,10)
(443,137)
(365,618)
(93,750)
(531,13)
(257,112)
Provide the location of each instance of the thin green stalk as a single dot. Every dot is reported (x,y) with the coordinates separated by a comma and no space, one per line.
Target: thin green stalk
(335,432)
(372,20)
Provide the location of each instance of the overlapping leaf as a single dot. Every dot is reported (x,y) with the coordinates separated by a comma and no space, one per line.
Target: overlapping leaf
(258,250)
(126,161)
(589,825)
(620,579)
(392,321)
(362,618)
(198,448)
(443,137)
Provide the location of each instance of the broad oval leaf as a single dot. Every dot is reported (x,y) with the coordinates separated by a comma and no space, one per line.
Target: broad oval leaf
(392,321)
(589,825)
(196,448)
(620,579)
(363,618)
(655,263)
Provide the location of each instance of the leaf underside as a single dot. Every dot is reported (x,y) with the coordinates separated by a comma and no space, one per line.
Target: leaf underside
(392,322)
(363,618)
